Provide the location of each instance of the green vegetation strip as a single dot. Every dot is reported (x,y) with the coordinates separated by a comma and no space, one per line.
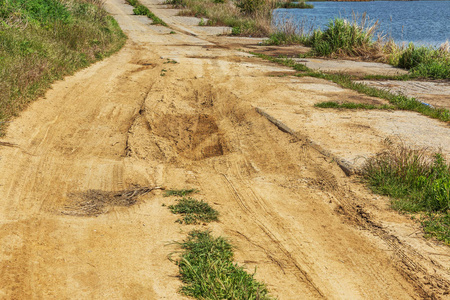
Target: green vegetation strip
(142,10)
(398,101)
(350,105)
(180,193)
(208,271)
(194,211)
(418,182)
(43,40)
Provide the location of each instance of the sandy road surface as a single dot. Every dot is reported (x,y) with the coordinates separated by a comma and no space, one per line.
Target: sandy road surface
(137,119)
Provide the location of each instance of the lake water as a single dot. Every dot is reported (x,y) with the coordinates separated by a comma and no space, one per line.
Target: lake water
(421,22)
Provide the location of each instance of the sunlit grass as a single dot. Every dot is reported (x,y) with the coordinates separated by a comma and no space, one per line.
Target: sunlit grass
(208,271)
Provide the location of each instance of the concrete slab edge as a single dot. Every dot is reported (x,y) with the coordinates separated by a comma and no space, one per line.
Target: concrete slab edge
(346,166)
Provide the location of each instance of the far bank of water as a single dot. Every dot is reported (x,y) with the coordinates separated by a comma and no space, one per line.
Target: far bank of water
(420,22)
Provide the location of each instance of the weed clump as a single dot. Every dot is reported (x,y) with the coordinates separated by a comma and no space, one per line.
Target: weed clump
(418,182)
(350,105)
(342,38)
(208,271)
(142,10)
(180,193)
(194,211)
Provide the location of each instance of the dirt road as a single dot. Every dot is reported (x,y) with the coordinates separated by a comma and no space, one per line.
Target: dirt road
(139,118)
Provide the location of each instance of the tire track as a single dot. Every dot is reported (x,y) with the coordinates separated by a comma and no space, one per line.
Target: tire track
(301,273)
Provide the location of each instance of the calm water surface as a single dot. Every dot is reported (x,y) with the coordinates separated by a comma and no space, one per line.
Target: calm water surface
(421,22)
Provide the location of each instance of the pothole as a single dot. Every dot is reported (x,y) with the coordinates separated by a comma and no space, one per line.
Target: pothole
(193,136)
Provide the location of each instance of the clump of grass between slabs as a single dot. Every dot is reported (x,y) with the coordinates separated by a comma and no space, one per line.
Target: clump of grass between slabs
(194,211)
(417,181)
(180,193)
(42,41)
(351,105)
(208,271)
(343,37)
(437,225)
(283,38)
(142,10)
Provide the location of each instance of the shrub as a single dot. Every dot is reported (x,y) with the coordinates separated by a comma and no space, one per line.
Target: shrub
(426,62)
(417,182)
(342,37)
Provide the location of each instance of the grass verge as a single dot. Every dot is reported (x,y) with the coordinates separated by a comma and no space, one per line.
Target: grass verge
(351,105)
(142,10)
(194,211)
(397,101)
(208,271)
(418,182)
(43,40)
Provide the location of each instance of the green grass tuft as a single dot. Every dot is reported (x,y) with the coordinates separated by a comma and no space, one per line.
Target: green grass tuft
(180,193)
(194,211)
(341,37)
(351,105)
(142,10)
(438,225)
(208,271)
(417,182)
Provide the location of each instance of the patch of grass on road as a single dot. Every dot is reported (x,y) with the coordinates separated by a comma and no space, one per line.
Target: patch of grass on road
(142,10)
(208,271)
(194,211)
(351,105)
(418,182)
(180,193)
